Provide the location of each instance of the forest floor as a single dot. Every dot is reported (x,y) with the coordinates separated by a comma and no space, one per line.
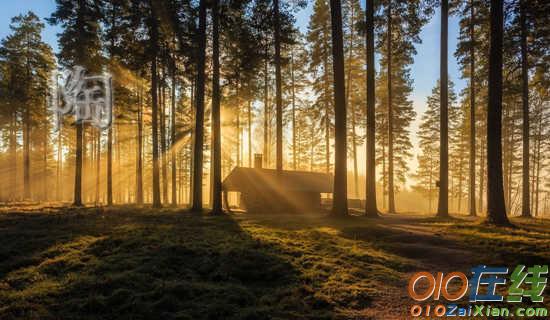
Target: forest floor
(137,263)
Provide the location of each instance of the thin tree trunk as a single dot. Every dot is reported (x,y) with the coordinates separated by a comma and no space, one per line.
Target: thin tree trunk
(249,115)
(266,109)
(13,157)
(139,165)
(238,97)
(58,193)
(391,196)
(278,90)
(340,202)
(327,116)
(164,162)
(496,209)
(110,166)
(538,165)
(27,154)
(525,207)
(443,203)
(472,165)
(98,166)
(348,94)
(155,107)
(293,109)
(173,136)
(78,166)
(371,209)
(482,174)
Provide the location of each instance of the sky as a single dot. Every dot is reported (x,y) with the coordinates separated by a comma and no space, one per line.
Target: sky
(424,71)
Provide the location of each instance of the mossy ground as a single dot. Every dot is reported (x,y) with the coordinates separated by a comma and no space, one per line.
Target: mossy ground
(138,263)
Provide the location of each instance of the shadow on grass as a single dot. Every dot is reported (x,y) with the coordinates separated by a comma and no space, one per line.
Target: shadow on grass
(125,263)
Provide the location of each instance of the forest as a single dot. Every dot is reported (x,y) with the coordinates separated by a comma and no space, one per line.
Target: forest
(216,107)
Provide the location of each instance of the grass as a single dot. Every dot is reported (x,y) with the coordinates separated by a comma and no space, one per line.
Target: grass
(138,263)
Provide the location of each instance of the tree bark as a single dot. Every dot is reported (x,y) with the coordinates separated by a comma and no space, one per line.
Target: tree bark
(139,165)
(443,203)
(278,90)
(154,102)
(371,209)
(266,109)
(525,206)
(164,162)
(77,201)
(391,196)
(496,209)
(216,130)
(340,202)
(472,164)
(173,136)
(294,164)
(348,94)
(199,109)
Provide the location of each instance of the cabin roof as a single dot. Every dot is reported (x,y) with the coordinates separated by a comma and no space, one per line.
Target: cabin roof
(241,179)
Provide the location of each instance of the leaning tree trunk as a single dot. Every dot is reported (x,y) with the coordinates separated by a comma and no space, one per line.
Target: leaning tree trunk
(199,110)
(216,130)
(340,205)
(443,203)
(496,208)
(525,206)
(370,205)
(472,164)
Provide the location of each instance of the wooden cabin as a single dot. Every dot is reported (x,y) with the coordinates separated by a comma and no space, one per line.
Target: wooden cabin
(268,191)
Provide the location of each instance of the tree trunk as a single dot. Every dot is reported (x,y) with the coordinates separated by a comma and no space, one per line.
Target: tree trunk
(340,202)
(173,136)
(327,116)
(13,157)
(266,109)
(443,203)
(294,164)
(98,166)
(216,129)
(249,116)
(155,106)
(199,109)
(139,164)
(371,209)
(26,154)
(525,207)
(164,162)
(278,90)
(58,193)
(472,165)
(348,93)
(391,196)
(496,209)
(238,97)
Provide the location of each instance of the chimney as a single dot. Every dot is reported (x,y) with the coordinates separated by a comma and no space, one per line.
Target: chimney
(258,160)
